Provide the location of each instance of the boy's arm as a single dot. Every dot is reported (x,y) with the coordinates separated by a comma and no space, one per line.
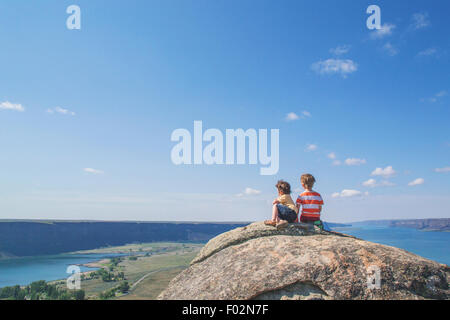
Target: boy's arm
(276,201)
(281,199)
(298,204)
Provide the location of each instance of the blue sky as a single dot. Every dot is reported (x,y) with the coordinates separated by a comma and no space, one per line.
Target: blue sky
(86,115)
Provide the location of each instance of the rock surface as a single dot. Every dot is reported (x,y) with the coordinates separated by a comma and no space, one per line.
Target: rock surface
(252,231)
(259,262)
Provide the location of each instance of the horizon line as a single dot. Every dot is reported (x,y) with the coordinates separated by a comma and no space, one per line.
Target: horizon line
(191,222)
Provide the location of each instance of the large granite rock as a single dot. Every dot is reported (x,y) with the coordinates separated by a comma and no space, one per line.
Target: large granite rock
(252,231)
(259,262)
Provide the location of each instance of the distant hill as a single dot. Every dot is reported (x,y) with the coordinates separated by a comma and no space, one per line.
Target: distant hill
(442,224)
(424,224)
(45,237)
(336,225)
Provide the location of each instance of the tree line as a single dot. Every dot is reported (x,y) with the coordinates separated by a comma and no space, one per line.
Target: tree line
(40,290)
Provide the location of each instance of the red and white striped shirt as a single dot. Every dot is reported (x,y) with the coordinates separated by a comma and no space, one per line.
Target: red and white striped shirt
(311,203)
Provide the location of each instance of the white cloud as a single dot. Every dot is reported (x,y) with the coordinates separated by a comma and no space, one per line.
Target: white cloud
(427,52)
(331,155)
(249,192)
(335,66)
(416,182)
(339,50)
(311,147)
(306,114)
(61,111)
(436,97)
(390,49)
(354,161)
(386,172)
(373,183)
(93,171)
(420,21)
(11,106)
(292,116)
(346,193)
(385,30)
(370,183)
(442,170)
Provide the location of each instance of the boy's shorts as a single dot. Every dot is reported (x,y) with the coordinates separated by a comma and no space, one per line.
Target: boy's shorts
(286,213)
(306,220)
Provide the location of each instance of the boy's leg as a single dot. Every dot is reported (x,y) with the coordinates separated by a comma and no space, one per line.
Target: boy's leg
(275,213)
(282,217)
(275,218)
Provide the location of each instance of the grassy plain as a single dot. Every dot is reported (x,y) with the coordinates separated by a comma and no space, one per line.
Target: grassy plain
(148,269)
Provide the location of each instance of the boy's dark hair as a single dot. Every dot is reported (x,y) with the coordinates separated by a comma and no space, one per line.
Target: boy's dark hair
(308,180)
(284,187)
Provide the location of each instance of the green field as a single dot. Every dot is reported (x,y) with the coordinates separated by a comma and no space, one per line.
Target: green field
(153,285)
(153,247)
(148,270)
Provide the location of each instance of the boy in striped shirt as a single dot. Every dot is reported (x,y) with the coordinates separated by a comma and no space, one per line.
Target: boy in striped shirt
(310,201)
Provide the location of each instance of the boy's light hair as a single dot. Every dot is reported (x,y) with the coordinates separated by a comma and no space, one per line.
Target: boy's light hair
(308,180)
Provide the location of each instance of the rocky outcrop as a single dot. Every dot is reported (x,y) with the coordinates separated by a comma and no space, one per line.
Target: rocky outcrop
(252,231)
(259,262)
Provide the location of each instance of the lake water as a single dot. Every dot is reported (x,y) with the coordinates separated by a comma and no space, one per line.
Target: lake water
(23,271)
(428,244)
